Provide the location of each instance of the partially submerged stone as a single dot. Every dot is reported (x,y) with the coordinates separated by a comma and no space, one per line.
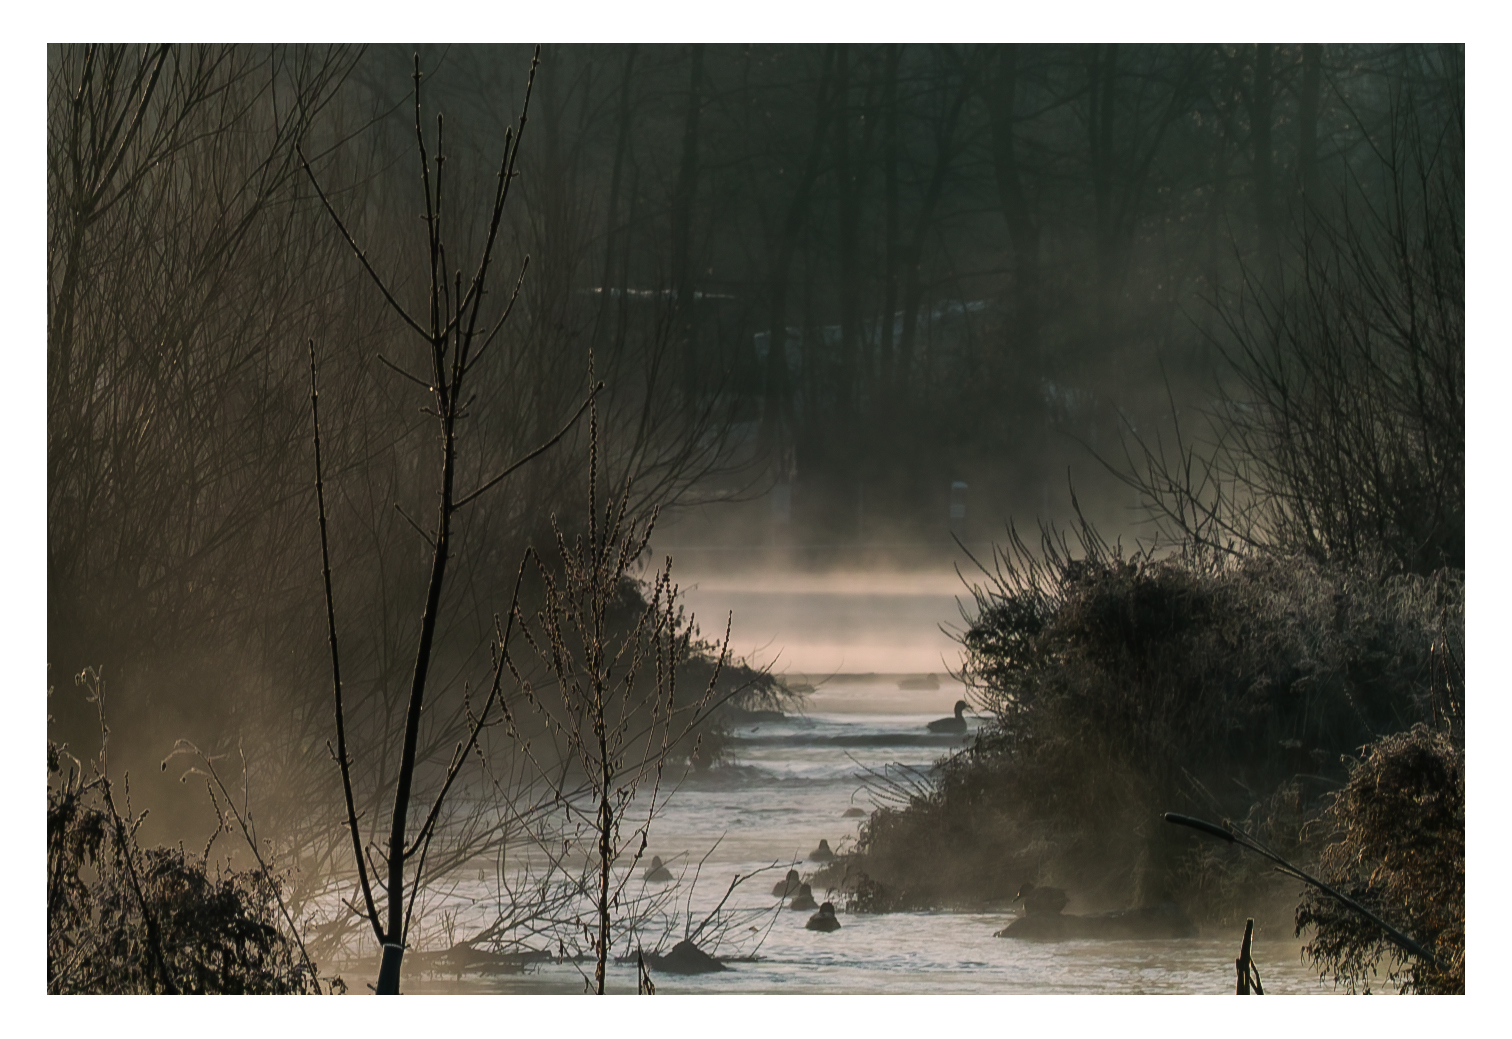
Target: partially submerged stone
(685,958)
(789,886)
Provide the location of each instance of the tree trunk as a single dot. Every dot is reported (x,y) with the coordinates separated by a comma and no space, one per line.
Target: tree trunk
(608,283)
(1023,232)
(1101,70)
(1261,106)
(914,251)
(395,929)
(682,218)
(890,204)
(850,204)
(1307,123)
(777,388)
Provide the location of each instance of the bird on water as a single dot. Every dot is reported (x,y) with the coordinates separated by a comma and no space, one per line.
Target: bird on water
(1041,901)
(804,899)
(788,886)
(956,724)
(824,920)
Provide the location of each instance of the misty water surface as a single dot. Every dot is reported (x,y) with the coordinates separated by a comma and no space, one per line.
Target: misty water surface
(787,784)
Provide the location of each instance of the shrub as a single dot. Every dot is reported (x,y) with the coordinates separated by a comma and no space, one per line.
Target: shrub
(121,919)
(1398,847)
(1122,687)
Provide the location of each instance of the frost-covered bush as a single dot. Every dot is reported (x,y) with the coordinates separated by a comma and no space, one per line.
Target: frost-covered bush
(1397,835)
(1121,687)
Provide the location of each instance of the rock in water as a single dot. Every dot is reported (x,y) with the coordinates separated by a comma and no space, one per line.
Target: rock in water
(1041,901)
(685,958)
(821,853)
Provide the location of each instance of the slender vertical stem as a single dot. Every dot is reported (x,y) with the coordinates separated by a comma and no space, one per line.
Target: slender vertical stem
(682,220)
(341,747)
(127,851)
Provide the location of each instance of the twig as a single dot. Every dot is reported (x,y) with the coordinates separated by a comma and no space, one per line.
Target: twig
(733,885)
(465,499)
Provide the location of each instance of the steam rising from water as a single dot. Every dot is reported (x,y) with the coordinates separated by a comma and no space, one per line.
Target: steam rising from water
(809,626)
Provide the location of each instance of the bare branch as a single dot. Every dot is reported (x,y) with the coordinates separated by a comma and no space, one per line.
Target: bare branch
(357,250)
(465,499)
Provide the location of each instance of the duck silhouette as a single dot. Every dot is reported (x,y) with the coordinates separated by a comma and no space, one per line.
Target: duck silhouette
(788,886)
(822,853)
(1041,901)
(656,871)
(804,899)
(956,724)
(824,920)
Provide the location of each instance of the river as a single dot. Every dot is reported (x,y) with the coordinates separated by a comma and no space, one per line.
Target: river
(785,785)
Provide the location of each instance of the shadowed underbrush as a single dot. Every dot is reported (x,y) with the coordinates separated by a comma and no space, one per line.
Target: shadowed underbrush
(220,929)
(130,920)
(1397,841)
(1121,686)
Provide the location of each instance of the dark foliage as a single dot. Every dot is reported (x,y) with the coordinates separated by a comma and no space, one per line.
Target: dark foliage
(1122,687)
(122,919)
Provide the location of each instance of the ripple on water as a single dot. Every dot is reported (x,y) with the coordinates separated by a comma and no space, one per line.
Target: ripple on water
(785,791)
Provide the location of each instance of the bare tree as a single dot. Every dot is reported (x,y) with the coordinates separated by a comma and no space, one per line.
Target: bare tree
(619,723)
(172,219)
(455,337)
(1343,435)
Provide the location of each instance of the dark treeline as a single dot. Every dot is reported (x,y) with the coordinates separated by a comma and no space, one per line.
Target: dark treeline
(976,256)
(969,251)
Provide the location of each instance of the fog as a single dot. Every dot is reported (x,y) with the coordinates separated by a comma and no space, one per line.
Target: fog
(829,321)
(817,625)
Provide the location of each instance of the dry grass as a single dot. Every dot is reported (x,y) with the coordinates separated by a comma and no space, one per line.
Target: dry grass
(1397,844)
